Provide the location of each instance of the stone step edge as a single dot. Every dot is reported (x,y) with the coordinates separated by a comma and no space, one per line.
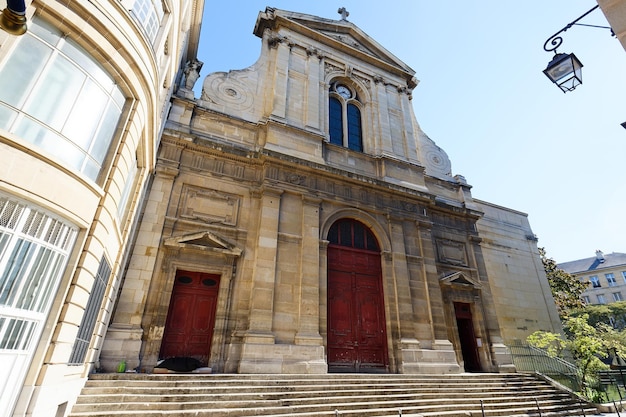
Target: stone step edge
(304,396)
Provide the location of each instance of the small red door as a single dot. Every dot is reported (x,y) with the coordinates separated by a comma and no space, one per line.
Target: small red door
(191,316)
(357,340)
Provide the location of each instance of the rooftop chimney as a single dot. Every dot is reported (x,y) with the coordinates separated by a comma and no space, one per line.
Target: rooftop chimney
(599,256)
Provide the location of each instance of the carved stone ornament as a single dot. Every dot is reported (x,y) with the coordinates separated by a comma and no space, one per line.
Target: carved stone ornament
(451,252)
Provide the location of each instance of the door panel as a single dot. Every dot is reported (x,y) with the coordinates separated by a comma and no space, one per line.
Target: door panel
(357,340)
(191,316)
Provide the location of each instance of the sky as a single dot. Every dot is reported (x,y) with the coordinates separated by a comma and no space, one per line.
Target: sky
(483,98)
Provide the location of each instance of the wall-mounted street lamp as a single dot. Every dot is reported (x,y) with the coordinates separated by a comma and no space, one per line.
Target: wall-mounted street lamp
(565,70)
(13,17)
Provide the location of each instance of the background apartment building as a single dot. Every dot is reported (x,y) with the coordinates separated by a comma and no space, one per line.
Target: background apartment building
(606,274)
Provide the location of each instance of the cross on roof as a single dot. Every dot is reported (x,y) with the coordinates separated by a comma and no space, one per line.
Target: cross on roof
(344,13)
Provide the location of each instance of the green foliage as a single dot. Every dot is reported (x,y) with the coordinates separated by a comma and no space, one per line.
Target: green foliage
(566,288)
(588,344)
(552,343)
(612,313)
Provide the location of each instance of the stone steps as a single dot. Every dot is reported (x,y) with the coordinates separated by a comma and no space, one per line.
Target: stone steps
(344,395)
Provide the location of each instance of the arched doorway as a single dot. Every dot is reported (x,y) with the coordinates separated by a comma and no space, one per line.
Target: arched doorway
(357,336)
(191,316)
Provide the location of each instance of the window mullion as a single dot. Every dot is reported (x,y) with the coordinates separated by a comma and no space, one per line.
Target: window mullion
(344,120)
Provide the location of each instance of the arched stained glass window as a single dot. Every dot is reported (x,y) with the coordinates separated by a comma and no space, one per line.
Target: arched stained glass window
(344,118)
(353,234)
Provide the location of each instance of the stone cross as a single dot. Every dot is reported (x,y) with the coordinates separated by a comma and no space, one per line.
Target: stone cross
(344,13)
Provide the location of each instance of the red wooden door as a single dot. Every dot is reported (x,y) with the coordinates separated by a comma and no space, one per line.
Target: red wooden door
(467,337)
(357,340)
(191,316)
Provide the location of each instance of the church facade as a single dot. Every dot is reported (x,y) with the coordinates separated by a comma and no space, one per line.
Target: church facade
(300,221)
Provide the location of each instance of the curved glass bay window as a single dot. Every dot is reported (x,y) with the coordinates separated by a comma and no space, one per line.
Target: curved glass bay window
(53,94)
(344,117)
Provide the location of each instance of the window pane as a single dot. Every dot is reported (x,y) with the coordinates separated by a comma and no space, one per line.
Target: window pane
(372,243)
(9,283)
(359,236)
(354,128)
(333,234)
(22,69)
(84,119)
(90,66)
(7,116)
(345,230)
(51,142)
(104,135)
(46,31)
(335,122)
(55,93)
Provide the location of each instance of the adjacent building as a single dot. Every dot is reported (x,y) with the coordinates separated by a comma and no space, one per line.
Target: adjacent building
(84,94)
(606,274)
(615,13)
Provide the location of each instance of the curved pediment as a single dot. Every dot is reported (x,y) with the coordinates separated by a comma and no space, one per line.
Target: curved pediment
(205,241)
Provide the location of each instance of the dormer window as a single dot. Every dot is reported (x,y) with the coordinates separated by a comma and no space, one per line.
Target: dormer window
(344,117)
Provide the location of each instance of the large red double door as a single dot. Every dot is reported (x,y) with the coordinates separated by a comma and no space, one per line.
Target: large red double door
(191,316)
(357,339)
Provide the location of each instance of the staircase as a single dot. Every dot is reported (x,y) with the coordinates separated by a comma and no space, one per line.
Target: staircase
(345,395)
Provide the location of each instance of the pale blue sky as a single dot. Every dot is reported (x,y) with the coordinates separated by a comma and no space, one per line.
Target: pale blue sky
(518,140)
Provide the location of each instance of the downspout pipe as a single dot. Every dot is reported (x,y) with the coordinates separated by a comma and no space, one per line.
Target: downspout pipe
(13,17)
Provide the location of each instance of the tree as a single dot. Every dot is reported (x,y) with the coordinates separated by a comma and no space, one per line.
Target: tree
(566,288)
(613,314)
(586,343)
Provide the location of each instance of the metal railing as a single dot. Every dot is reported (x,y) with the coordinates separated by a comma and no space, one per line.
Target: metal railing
(527,358)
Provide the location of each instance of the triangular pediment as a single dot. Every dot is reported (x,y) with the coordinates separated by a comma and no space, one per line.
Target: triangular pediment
(205,241)
(324,30)
(459,278)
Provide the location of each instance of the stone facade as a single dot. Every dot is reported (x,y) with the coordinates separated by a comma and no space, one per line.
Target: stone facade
(250,187)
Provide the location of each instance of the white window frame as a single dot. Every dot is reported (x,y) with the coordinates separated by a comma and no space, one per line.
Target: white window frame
(28,284)
(595,281)
(610,279)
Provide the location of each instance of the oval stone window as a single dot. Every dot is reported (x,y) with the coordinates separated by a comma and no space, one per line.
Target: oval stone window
(209,282)
(185,280)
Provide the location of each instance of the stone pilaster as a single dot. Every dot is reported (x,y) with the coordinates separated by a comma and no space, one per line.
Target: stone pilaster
(257,353)
(123,340)
(308,332)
